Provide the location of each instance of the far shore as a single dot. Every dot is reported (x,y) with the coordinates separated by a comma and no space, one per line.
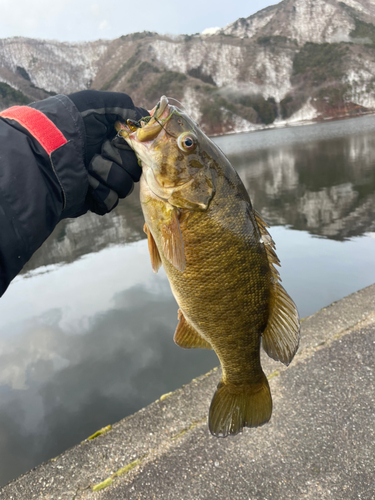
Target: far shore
(278,124)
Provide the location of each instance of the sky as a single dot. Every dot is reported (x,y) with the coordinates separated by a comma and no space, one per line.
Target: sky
(79,20)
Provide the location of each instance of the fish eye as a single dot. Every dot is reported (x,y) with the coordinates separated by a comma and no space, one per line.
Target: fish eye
(187,142)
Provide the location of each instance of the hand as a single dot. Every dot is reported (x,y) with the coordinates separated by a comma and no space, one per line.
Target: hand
(112,169)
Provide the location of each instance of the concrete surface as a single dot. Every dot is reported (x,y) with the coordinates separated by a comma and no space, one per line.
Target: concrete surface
(319,444)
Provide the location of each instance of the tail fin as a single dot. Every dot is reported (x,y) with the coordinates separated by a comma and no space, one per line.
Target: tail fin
(235,407)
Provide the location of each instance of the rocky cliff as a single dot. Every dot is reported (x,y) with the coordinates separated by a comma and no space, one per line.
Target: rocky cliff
(297,60)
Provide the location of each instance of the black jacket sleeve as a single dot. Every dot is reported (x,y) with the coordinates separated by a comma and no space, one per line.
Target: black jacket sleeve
(37,188)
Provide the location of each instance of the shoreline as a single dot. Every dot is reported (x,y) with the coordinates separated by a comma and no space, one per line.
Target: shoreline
(127,459)
(300,123)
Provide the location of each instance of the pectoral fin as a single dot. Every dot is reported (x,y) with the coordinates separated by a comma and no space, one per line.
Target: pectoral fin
(187,337)
(153,249)
(171,239)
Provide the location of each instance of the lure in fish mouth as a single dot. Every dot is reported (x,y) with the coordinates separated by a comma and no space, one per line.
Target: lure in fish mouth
(220,262)
(147,128)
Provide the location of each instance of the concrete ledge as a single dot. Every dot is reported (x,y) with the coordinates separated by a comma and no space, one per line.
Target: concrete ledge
(319,443)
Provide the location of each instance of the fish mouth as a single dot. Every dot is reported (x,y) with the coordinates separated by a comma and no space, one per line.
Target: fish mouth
(146,129)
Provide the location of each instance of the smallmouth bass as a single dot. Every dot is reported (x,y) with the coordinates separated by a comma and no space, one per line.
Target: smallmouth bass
(219,259)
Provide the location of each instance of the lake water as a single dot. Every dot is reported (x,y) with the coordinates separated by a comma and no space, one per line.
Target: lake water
(86,332)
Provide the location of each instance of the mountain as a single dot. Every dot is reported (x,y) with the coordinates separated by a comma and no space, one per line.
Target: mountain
(297,60)
(31,70)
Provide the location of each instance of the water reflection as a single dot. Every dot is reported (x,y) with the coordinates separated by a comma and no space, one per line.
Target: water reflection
(326,187)
(319,179)
(86,331)
(57,388)
(73,238)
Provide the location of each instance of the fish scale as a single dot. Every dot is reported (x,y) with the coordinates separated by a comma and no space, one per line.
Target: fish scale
(201,227)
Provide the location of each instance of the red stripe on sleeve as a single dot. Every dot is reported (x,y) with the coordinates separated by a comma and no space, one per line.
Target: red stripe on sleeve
(39,126)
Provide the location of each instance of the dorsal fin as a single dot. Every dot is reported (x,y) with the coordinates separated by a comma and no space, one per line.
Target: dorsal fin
(153,250)
(187,337)
(280,339)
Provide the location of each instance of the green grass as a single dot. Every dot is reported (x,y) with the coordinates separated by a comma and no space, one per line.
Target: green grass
(108,482)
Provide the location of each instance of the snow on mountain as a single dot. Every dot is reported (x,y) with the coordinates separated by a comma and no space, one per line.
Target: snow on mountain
(60,67)
(298,59)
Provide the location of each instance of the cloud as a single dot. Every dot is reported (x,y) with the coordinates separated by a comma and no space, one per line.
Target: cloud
(57,388)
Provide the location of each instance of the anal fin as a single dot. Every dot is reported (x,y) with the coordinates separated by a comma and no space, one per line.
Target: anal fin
(153,249)
(187,337)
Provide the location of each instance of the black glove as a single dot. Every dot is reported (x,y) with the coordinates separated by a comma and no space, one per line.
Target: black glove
(112,166)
